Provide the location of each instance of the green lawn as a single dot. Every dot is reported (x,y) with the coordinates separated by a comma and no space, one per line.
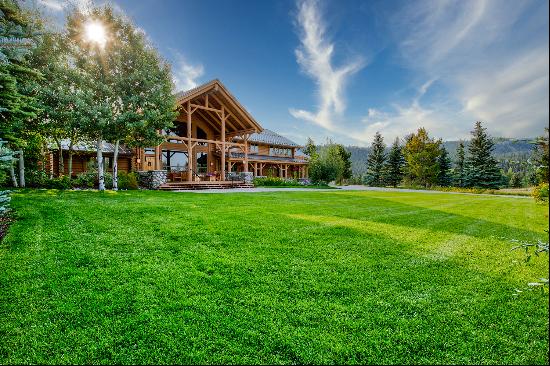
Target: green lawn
(278,277)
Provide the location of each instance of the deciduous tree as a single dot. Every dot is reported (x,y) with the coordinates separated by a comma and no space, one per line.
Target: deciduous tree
(421,155)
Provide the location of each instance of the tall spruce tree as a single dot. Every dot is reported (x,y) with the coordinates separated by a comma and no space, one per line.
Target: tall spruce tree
(458,174)
(393,170)
(444,176)
(375,162)
(345,156)
(481,168)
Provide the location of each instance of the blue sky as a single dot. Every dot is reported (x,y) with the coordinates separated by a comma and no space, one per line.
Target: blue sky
(346,69)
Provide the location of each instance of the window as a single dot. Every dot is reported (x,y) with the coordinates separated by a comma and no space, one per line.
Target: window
(253,148)
(202,135)
(150,150)
(174,161)
(179,130)
(280,151)
(202,162)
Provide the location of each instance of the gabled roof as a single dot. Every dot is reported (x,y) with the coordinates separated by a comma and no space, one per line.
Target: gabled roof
(271,138)
(240,118)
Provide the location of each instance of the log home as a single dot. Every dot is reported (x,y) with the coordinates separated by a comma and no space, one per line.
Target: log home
(212,138)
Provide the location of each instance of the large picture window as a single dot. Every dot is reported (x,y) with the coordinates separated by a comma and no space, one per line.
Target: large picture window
(174,161)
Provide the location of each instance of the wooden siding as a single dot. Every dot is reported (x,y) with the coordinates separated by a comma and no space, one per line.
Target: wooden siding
(80,163)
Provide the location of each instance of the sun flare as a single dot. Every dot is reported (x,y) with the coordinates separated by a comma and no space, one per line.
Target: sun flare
(95,32)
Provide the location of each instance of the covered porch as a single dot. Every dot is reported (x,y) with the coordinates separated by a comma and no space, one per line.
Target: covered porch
(211,122)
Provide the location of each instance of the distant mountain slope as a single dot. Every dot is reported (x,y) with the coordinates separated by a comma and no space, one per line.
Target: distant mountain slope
(505,148)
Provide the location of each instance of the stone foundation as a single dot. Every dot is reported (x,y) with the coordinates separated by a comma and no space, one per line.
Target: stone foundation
(152,179)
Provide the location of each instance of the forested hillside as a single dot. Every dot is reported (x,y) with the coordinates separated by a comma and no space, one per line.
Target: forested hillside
(506,149)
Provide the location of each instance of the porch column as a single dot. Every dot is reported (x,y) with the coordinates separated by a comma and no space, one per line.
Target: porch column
(223,144)
(255,169)
(157,158)
(189,147)
(246,153)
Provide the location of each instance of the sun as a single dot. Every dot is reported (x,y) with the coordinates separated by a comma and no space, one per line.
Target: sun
(95,32)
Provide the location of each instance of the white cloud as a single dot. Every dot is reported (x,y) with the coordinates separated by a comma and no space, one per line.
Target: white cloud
(405,119)
(186,75)
(315,58)
(62,5)
(491,55)
(55,5)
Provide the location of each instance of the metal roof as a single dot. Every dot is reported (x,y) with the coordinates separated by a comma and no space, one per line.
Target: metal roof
(183,93)
(271,138)
(92,147)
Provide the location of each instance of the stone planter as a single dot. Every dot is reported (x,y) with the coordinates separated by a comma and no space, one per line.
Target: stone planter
(152,179)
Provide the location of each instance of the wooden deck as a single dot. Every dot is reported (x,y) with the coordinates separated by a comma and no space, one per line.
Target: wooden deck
(179,186)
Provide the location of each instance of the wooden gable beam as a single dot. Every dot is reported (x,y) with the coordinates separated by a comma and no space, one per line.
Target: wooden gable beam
(232,115)
(208,121)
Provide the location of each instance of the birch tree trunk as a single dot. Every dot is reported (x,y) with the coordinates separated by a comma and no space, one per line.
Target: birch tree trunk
(21,169)
(61,163)
(70,168)
(100,170)
(115,166)
(12,175)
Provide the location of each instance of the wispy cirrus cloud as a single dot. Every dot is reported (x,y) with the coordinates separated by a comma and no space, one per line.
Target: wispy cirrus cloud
(492,55)
(315,57)
(186,75)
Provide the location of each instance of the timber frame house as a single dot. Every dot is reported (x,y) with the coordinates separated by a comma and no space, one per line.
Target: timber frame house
(213,137)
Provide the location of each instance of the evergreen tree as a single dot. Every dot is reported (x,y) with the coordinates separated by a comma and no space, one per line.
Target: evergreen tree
(393,170)
(345,156)
(444,176)
(481,168)
(541,157)
(310,148)
(375,162)
(458,174)
(421,155)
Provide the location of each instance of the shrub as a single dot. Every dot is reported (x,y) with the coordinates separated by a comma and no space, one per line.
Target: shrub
(540,192)
(86,180)
(275,182)
(3,178)
(59,183)
(36,178)
(127,180)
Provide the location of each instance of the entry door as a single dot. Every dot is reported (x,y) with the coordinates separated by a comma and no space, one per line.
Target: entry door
(149,163)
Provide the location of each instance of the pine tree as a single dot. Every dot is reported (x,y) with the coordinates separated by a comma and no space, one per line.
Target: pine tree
(444,176)
(345,156)
(481,168)
(375,162)
(458,176)
(310,148)
(393,169)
